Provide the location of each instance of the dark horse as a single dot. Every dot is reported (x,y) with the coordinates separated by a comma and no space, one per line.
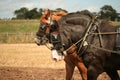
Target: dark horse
(50,35)
(96,49)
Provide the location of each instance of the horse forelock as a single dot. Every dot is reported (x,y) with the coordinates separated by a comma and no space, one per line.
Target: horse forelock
(77,18)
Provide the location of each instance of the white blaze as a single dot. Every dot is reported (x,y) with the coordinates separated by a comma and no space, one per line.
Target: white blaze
(55,55)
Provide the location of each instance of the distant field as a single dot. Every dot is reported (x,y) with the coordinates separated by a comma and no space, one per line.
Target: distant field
(18,31)
(23,26)
(17,26)
(21,31)
(116,23)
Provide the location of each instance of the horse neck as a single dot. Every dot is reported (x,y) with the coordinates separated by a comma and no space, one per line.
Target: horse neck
(71,34)
(108,40)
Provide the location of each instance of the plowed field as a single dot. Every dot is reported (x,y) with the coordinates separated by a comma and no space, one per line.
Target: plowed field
(32,62)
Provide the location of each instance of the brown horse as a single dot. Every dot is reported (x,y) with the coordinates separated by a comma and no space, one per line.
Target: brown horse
(70,60)
(96,49)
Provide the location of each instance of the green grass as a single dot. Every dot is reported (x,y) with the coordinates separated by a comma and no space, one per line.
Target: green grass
(18,31)
(21,31)
(116,23)
(15,26)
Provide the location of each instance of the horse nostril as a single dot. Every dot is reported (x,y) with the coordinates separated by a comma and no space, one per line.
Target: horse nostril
(55,59)
(38,44)
(37,41)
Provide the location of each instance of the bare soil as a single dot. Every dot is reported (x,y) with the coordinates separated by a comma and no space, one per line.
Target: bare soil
(17,73)
(31,62)
(10,73)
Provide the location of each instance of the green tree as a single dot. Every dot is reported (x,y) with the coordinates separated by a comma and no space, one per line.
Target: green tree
(20,14)
(24,13)
(107,12)
(32,14)
(40,12)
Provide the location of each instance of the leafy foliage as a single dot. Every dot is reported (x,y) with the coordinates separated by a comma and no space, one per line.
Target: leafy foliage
(20,14)
(107,12)
(24,13)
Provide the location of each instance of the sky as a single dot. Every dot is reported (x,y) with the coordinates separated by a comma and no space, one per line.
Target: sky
(7,7)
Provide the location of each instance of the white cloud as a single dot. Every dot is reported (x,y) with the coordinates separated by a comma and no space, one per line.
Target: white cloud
(29,5)
(45,4)
(93,9)
(7,7)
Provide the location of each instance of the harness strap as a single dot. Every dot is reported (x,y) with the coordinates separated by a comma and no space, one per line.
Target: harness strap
(107,50)
(100,37)
(87,32)
(105,33)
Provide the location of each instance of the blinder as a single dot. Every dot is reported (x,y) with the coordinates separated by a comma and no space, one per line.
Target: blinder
(55,38)
(49,34)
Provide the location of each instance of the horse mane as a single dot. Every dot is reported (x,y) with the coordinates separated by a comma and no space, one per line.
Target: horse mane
(84,12)
(77,18)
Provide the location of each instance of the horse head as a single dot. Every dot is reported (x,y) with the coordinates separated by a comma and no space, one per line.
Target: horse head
(45,29)
(71,29)
(49,35)
(42,35)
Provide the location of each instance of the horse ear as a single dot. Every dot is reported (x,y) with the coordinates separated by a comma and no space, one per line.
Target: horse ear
(47,12)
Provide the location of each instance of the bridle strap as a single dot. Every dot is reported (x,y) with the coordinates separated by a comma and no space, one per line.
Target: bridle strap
(87,32)
(49,25)
(105,33)
(99,36)
(103,49)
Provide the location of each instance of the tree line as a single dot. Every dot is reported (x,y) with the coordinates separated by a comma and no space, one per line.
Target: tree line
(106,12)
(25,13)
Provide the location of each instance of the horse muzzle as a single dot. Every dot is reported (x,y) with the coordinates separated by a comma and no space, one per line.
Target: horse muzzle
(40,41)
(37,41)
(56,56)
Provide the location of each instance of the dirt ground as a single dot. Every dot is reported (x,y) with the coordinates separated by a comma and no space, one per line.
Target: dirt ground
(30,62)
(10,73)
(15,73)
